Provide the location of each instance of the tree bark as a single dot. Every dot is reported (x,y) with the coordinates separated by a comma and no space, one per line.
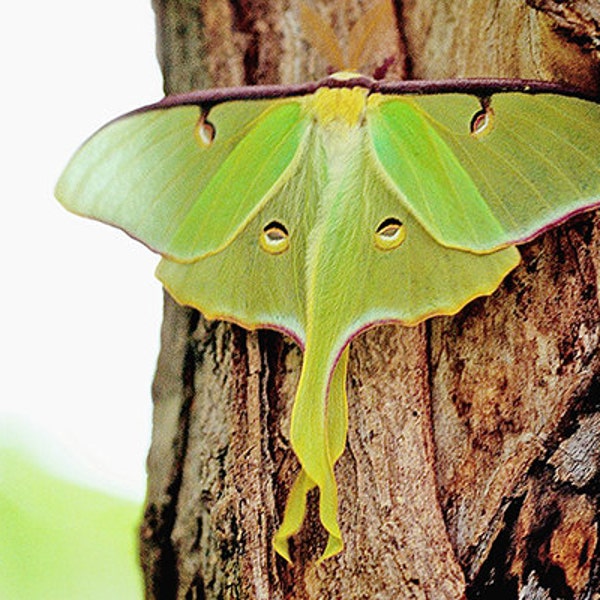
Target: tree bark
(472,463)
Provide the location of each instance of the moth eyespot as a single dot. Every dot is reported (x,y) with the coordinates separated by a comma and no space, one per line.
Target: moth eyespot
(482,122)
(274,238)
(390,234)
(205,132)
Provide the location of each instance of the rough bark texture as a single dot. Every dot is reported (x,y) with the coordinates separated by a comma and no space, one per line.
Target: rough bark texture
(472,464)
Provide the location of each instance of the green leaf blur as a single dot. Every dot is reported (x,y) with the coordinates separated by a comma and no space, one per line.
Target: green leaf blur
(60,540)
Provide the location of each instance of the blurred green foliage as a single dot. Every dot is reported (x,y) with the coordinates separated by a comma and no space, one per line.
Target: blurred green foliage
(63,541)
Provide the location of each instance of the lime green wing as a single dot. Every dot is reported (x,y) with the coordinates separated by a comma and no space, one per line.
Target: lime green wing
(182,184)
(502,174)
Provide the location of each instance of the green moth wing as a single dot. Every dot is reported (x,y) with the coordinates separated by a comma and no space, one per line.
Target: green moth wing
(525,163)
(149,169)
(326,209)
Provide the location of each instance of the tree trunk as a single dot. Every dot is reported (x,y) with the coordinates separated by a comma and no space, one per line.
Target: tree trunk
(471,468)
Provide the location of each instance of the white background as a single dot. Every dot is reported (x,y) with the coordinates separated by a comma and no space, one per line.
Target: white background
(80,308)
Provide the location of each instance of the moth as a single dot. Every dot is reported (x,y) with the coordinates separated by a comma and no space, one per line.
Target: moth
(323,209)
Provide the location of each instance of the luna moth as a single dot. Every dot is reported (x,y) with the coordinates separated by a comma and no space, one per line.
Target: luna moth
(323,209)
